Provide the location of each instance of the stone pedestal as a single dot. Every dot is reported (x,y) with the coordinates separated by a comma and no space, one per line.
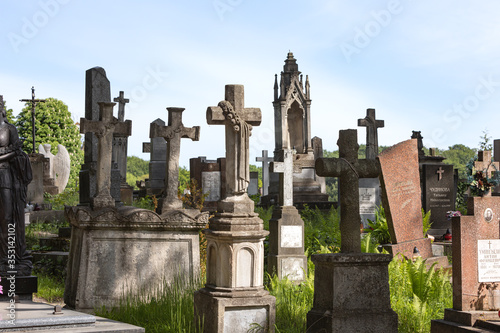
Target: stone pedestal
(116,252)
(354,294)
(286,245)
(234,296)
(36,188)
(22,286)
(126,193)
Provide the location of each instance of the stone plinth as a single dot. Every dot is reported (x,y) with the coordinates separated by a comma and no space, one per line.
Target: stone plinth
(286,245)
(115,252)
(354,294)
(36,188)
(24,287)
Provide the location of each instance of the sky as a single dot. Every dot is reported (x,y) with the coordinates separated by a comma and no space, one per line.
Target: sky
(423,65)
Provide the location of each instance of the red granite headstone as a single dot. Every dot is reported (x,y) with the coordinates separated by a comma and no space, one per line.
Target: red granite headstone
(401,198)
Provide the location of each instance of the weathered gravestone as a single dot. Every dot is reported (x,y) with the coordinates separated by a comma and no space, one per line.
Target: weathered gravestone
(253,186)
(125,250)
(265,171)
(97,89)
(157,149)
(210,177)
(35,187)
(286,229)
(234,297)
(476,269)
(173,134)
(369,188)
(57,170)
(120,147)
(439,193)
(401,200)
(351,289)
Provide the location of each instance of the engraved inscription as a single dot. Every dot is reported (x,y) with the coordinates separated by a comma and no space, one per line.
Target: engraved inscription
(488,260)
(291,236)
(210,183)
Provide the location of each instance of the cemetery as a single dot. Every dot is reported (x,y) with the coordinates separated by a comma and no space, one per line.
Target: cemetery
(108,242)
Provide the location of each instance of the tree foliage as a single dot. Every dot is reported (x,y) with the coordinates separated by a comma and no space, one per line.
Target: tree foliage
(10,114)
(53,125)
(459,155)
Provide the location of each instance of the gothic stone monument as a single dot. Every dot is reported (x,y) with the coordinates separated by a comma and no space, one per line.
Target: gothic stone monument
(234,297)
(124,250)
(351,289)
(476,269)
(292,128)
(286,229)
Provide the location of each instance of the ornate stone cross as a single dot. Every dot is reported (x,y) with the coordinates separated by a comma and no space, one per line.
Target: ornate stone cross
(173,133)
(285,169)
(33,102)
(371,124)
(349,169)
(265,171)
(104,130)
(121,105)
(440,172)
(238,122)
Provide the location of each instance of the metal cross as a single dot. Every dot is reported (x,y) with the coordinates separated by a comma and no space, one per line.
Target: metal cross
(33,102)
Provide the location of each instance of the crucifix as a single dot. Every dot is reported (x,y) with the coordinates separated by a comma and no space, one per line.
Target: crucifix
(238,122)
(104,128)
(121,105)
(265,171)
(371,124)
(285,169)
(173,133)
(440,172)
(349,169)
(33,102)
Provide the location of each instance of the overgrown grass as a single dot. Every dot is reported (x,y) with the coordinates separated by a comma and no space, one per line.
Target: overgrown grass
(166,309)
(34,231)
(50,288)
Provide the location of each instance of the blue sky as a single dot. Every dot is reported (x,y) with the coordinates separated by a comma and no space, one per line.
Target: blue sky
(423,65)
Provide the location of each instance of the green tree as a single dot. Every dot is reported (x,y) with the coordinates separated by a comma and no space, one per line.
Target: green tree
(10,116)
(184,177)
(459,155)
(485,143)
(137,169)
(53,125)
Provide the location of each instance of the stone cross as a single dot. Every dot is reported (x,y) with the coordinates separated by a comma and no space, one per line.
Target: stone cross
(285,169)
(121,105)
(349,169)
(104,130)
(440,172)
(238,122)
(485,164)
(371,124)
(173,133)
(33,102)
(265,171)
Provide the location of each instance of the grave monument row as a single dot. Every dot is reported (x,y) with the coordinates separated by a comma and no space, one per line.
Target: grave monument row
(111,246)
(234,297)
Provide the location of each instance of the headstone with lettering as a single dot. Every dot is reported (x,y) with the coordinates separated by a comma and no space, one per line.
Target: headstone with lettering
(351,289)
(234,298)
(369,188)
(439,193)
(286,229)
(476,266)
(401,195)
(157,149)
(210,178)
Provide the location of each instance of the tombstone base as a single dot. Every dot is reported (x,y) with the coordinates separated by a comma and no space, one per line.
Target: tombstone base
(406,248)
(351,294)
(233,314)
(127,250)
(102,201)
(461,321)
(286,245)
(23,286)
(236,204)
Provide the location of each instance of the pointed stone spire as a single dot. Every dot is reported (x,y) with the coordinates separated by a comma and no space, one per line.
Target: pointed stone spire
(282,88)
(276,87)
(308,90)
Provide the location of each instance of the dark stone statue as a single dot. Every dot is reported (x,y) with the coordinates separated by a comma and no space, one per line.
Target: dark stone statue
(15,175)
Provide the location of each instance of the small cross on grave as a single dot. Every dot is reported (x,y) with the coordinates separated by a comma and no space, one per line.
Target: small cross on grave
(349,169)
(33,102)
(121,105)
(238,122)
(265,171)
(440,172)
(173,133)
(104,130)
(285,169)
(371,124)
(485,164)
